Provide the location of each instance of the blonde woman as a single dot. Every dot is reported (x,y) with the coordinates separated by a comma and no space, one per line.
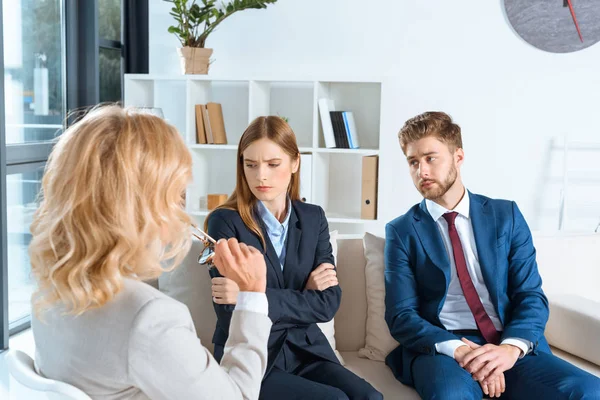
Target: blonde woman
(111,216)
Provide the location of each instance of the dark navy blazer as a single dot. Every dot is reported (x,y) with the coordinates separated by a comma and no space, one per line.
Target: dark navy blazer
(293,310)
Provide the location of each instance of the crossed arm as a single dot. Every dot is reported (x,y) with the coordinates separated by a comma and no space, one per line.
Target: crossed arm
(318,301)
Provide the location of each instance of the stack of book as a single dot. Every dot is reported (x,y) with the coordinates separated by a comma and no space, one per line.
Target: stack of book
(339,128)
(210,126)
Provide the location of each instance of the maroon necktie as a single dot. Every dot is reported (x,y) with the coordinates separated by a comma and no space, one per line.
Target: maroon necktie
(482,319)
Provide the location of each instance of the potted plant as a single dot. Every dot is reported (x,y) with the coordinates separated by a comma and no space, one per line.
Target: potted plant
(195,22)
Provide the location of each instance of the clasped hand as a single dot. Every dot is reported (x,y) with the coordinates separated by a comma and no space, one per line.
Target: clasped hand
(487,364)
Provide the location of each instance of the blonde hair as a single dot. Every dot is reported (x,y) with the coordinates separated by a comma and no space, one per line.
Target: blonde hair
(111,207)
(242,200)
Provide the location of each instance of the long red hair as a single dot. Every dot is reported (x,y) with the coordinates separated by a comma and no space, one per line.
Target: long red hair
(242,200)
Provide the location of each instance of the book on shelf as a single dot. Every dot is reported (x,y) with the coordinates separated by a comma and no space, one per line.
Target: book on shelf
(200,133)
(217,123)
(306,177)
(350,126)
(325,107)
(207,127)
(368,209)
(210,125)
(341,140)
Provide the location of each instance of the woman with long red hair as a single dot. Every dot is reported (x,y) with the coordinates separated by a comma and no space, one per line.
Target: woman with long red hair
(265,211)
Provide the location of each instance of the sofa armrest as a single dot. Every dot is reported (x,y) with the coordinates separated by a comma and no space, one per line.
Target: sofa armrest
(574,326)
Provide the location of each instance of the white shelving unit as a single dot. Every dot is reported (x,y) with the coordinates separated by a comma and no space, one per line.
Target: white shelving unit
(336,173)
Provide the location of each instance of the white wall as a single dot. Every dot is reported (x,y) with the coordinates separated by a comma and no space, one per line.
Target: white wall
(460,57)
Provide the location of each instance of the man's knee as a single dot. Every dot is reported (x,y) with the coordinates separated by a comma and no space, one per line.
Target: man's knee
(364,391)
(374,395)
(586,388)
(336,394)
(370,393)
(458,390)
(442,378)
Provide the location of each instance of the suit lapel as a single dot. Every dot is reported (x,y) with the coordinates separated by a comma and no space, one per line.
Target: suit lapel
(431,240)
(272,258)
(484,230)
(292,246)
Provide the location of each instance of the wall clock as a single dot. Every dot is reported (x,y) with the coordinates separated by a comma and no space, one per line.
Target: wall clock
(557,26)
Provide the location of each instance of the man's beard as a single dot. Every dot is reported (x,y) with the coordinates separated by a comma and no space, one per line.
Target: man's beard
(439,189)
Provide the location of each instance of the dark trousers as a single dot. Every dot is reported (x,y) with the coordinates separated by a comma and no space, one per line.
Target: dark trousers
(535,376)
(298,375)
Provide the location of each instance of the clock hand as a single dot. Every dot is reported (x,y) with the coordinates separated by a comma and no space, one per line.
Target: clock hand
(575,19)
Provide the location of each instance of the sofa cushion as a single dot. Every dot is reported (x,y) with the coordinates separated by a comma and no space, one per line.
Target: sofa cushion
(190,284)
(328,328)
(378,342)
(568,311)
(351,318)
(569,263)
(380,376)
(576,361)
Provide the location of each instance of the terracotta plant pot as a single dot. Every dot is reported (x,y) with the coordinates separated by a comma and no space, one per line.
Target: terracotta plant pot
(194,60)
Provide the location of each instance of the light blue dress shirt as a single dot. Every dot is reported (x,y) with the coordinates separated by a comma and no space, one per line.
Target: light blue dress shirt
(276,230)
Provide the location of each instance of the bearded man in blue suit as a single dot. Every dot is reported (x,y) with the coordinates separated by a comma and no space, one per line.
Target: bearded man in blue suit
(463,294)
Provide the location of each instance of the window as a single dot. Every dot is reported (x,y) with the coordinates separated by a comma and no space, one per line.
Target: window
(33,70)
(110,57)
(23,189)
(109,20)
(34,109)
(55,56)
(110,75)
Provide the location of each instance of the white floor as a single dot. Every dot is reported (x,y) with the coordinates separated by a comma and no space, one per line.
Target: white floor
(9,388)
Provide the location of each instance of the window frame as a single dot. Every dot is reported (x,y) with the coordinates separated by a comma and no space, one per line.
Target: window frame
(3,204)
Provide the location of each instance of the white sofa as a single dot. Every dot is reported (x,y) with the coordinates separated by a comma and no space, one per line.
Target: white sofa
(569,265)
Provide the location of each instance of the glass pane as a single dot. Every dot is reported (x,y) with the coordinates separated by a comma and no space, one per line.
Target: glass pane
(34,132)
(110,74)
(22,191)
(33,65)
(109,19)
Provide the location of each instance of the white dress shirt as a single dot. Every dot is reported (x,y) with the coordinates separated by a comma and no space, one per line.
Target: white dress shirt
(456,314)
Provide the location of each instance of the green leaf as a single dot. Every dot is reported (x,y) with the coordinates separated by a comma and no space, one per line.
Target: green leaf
(195,10)
(197,21)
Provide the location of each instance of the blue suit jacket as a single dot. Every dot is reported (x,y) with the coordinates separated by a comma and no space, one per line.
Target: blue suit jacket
(293,310)
(417,275)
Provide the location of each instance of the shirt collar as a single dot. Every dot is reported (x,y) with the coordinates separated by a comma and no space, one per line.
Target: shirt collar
(273,225)
(436,211)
